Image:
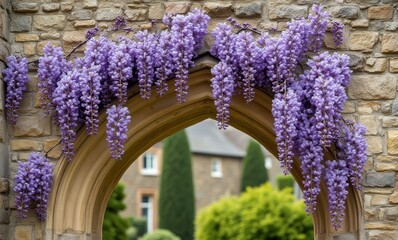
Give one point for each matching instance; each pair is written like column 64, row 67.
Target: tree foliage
column 176, row 200
column 285, row 181
column 259, row 213
column 254, row 171
column 160, row 234
column 115, row 226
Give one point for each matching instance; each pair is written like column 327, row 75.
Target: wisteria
column 337, row 31
column 120, row 71
column 33, row 185
column 145, row 59
column 90, row 87
column 336, row 179
column 67, row 103
column 308, row 87
column 118, row 118
column 51, row 67
column 16, row 77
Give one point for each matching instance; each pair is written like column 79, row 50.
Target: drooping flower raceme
column 51, row 66
column 164, row 62
column 336, row 179
column 317, row 27
column 145, row 61
column 118, row 118
column 90, row 87
column 16, row 77
column 33, row 185
column 199, row 21
column 285, row 110
column 337, row 31
column 67, row 102
column 120, row 71
column 223, row 86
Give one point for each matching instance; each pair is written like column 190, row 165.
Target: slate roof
column 206, row 138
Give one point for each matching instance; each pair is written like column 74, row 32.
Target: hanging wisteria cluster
column 33, row 185
column 308, row 87
column 309, row 95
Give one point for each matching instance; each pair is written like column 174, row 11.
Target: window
column 216, row 168
column 147, row 211
column 268, row 163
column 149, row 164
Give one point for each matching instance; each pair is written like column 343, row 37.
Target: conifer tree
column 254, row 171
column 176, row 198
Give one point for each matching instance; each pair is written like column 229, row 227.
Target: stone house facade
column 216, row 168
column 371, row 41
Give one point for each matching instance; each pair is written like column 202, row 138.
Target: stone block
column 394, row 65
column 288, row 12
column 4, row 185
column 26, row 37
column 85, row 23
column 51, row 7
column 389, row 122
column 108, row 14
column 368, row 107
column 25, row 7
column 380, row 179
column 363, row 41
column 177, row 7
column 80, row 15
column 356, row 61
column 72, row 38
column 32, row 126
column 24, row 144
column 90, row 4
column 218, row 10
column 376, row 65
column 53, row 148
column 248, row 9
column 389, row 43
column 394, row 198
column 66, row 7
column 49, row 22
column 345, row 236
column 372, row 87
column 23, row 232
column 50, row 35
column 136, row 14
column 382, row 235
column 384, row 12
column 374, row 144
column 379, row 200
column 392, row 214
column 370, row 122
column 156, row 11
column 349, row 12
column 360, row 23
column 392, row 141
column 381, row 225
column 21, row 23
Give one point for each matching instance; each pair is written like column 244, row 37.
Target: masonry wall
column 371, row 40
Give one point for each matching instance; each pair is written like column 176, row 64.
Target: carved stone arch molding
column 82, row 188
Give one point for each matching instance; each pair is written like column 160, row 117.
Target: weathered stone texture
column 288, row 12
column 376, row 65
column 23, row 232
column 380, row 12
column 72, row 38
column 349, row 12
column 394, row 65
column 392, row 141
column 369, row 87
column 363, row 41
column 4, row 185
column 136, row 14
column 25, row 7
column 32, row 126
column 21, row 23
column 380, row 180
column 49, row 22
column 389, row 43
column 107, row 14
column 177, row 7
column 248, row 9
column 26, row 37
column 220, row 10
column 156, row 11
column 51, row 7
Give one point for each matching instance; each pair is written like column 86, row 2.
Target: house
column 216, row 162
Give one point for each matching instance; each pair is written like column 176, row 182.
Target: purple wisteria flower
column 337, row 31
column 118, row 118
column 16, row 77
column 145, row 60
column 164, row 62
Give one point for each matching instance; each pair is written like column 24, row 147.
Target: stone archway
column 82, row 188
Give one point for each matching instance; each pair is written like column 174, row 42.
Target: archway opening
column 82, row 188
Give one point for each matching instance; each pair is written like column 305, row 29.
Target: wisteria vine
column 308, row 87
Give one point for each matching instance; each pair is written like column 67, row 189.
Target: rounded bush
column 160, row 234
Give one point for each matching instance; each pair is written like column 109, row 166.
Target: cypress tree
column 254, row 171
column 176, row 198
column 115, row 226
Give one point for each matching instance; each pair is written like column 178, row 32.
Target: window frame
column 153, row 171
column 216, row 173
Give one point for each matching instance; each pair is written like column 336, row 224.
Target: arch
column 82, row 188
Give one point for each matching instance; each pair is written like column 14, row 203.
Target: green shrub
column 259, row 213
column 160, row 234
column 254, row 172
column 137, row 229
column 285, row 181
column 176, row 197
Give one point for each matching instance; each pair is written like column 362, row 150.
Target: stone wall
column 371, row 40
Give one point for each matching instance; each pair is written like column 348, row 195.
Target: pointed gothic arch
column 82, row 188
